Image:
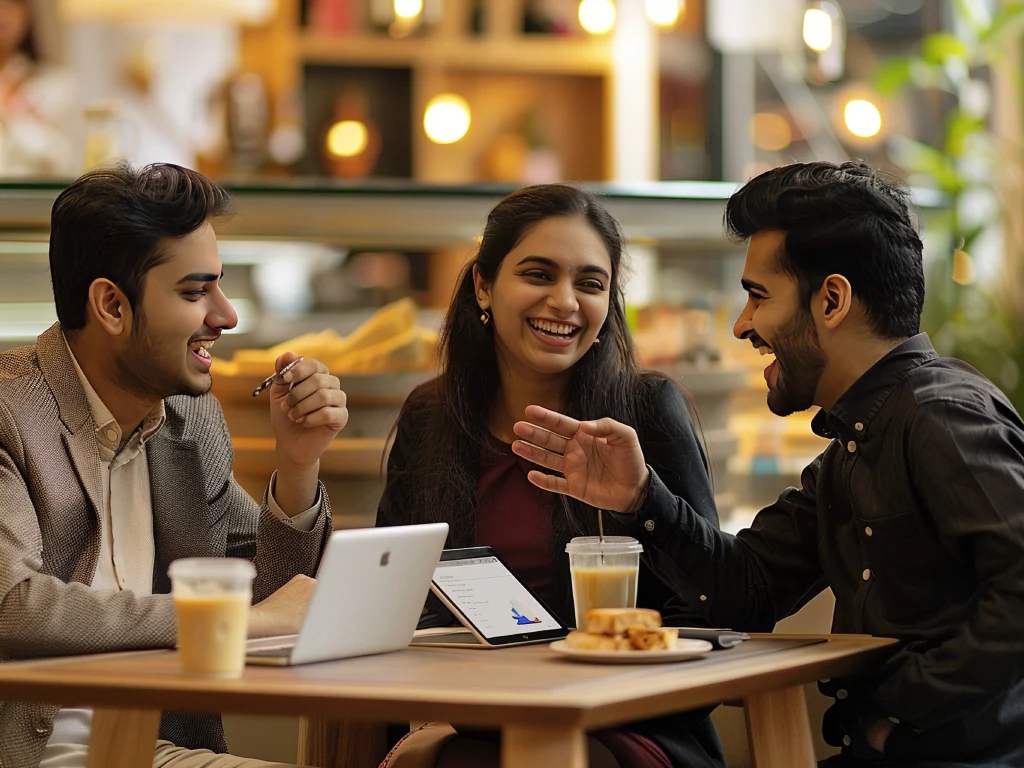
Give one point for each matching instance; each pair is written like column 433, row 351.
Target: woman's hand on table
column 600, row 462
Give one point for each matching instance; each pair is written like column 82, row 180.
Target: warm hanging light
column 597, row 16
column 863, row 119
column 347, row 138
column 241, row 11
column 446, row 119
column 817, row 29
column 408, row 9
column 664, row 13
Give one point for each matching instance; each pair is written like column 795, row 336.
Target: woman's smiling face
column 550, row 297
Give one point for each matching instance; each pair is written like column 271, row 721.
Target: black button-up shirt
column 914, row 516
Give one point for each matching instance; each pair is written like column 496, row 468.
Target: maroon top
column 514, row 518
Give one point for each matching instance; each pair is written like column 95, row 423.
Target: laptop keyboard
column 274, row 650
column 271, row 646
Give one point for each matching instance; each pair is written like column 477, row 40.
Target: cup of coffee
column 604, row 573
column 212, row 597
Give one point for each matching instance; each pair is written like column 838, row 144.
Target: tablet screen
column 493, row 600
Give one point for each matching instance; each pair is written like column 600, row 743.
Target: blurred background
column 365, row 141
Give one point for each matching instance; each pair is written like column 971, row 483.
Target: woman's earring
column 485, row 317
column 597, row 340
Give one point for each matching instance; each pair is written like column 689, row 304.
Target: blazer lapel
column 80, row 438
column 181, row 525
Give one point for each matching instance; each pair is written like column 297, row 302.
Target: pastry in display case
column 379, row 364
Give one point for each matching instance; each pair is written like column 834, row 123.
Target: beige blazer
column 50, row 496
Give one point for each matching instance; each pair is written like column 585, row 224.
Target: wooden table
column 542, row 702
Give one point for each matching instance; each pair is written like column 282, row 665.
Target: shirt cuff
column 656, row 522
column 304, row 521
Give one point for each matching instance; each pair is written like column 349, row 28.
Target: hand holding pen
column 267, row 382
column 307, row 408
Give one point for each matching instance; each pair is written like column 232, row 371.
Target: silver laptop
column 369, row 594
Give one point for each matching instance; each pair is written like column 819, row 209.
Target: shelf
column 360, row 457
column 555, row 56
column 397, row 213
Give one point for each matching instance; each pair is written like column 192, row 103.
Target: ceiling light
column 408, row 9
column 862, row 118
column 597, row 16
column 446, row 119
column 664, row 13
column 347, row 138
column 817, row 29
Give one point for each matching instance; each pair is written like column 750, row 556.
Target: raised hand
column 601, row 462
column 307, row 410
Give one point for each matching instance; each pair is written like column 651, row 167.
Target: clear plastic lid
column 211, row 568
column 612, row 545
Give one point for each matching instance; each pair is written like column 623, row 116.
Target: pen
column 270, row 380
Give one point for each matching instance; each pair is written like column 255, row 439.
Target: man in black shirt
column 913, row 514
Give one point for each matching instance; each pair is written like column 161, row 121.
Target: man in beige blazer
column 115, row 460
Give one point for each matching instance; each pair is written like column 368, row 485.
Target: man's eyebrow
column 201, row 277
column 750, row 285
column 554, row 265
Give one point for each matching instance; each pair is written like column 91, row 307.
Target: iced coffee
column 604, row 573
column 212, row 597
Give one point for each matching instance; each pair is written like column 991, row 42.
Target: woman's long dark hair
column 454, row 409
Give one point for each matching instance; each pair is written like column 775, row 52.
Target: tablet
column 490, row 601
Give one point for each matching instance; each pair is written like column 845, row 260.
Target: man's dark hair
column 110, row 223
column 840, row 219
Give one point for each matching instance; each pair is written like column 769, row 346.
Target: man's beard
column 139, row 369
column 800, row 362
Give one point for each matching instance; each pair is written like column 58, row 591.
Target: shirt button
column 851, row 446
column 703, row 598
column 868, row 531
column 859, row 426
column 825, row 680
column 649, row 525
column 111, row 435
column 866, row 575
column 846, row 741
column 894, row 720
column 841, row 693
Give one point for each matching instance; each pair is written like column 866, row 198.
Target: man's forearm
column 295, row 487
column 43, row 616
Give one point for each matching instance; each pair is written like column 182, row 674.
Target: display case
column 301, row 257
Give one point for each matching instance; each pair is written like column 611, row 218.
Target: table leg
column 346, row 744
column 779, row 730
column 535, row 746
column 123, row 738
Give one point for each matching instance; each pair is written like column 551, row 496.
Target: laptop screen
column 491, row 598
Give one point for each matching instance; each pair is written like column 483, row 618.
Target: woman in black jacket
column 538, row 318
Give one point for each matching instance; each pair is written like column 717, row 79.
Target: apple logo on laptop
column 384, row 559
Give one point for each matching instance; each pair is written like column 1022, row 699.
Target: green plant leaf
column 940, row 46
column 893, row 76
column 958, row 127
column 966, row 13
column 972, row 234
column 1008, row 22
column 921, row 158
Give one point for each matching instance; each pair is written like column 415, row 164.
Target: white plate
column 685, row 650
